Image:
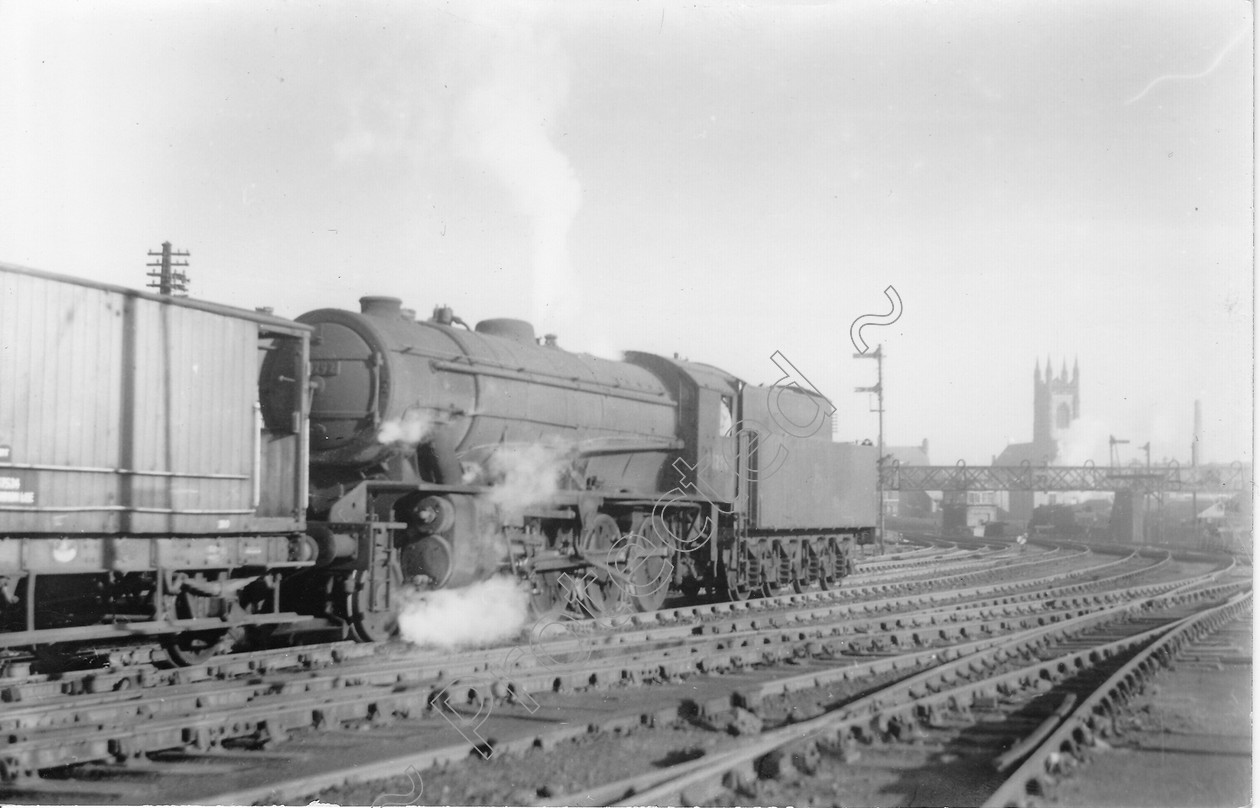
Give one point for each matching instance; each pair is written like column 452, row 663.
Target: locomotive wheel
column 741, row 580
column 831, row 571
column 778, row 570
column 650, row 565
column 799, row 565
column 367, row 625
column 824, row 565
column 603, row 594
column 548, row 597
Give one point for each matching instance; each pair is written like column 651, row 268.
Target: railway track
column 223, row 730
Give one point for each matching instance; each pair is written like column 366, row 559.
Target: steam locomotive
column 206, row 475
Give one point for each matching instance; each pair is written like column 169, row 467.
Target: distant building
column 1056, row 404
column 969, row 511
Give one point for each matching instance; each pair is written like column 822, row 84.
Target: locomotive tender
column 157, row 455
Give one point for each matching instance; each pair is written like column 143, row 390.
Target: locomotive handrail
column 627, row 446
column 554, row 380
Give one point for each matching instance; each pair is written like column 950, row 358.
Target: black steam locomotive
column 199, row 473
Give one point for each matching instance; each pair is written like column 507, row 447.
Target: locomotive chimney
column 380, row 306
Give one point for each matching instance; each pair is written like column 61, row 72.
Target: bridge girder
column 1212, row 479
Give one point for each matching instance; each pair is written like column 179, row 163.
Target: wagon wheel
column 778, row 566
column 837, row 564
column 741, row 579
column 194, row 647
column 806, row 568
column 803, row 568
column 825, row 560
column 603, row 587
column 651, row 570
column 56, row 656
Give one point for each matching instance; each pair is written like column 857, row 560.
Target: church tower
column 1056, row 404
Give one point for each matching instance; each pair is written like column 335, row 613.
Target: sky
column 724, row 181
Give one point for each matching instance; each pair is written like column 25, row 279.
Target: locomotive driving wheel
column 548, row 596
column 604, row 586
column 651, row 570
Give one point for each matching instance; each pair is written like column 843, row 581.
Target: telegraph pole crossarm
column 167, row 276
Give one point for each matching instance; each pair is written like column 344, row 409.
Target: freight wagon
column 143, row 490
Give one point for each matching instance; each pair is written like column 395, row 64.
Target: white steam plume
column 524, row 476
column 489, row 611
column 504, row 123
column 489, row 86
column 410, row 430
column 1086, row 439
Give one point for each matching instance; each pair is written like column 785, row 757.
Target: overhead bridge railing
column 1219, row 479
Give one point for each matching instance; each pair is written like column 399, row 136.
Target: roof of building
column 1016, row 454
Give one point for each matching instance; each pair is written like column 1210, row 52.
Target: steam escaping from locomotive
column 489, row 611
column 502, row 124
column 410, row 430
column 527, row 476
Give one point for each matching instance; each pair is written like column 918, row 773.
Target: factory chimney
column 1198, row 433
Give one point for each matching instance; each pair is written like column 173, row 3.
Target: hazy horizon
column 1071, row 179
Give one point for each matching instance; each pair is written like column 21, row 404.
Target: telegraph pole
column 878, row 390
column 1194, row 461
column 1146, row 499
column 168, row 277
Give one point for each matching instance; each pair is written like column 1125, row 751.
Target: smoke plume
column 489, row 611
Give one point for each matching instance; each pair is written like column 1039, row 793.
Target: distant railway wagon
column 200, row 473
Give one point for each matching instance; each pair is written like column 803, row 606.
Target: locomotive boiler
column 640, row 477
